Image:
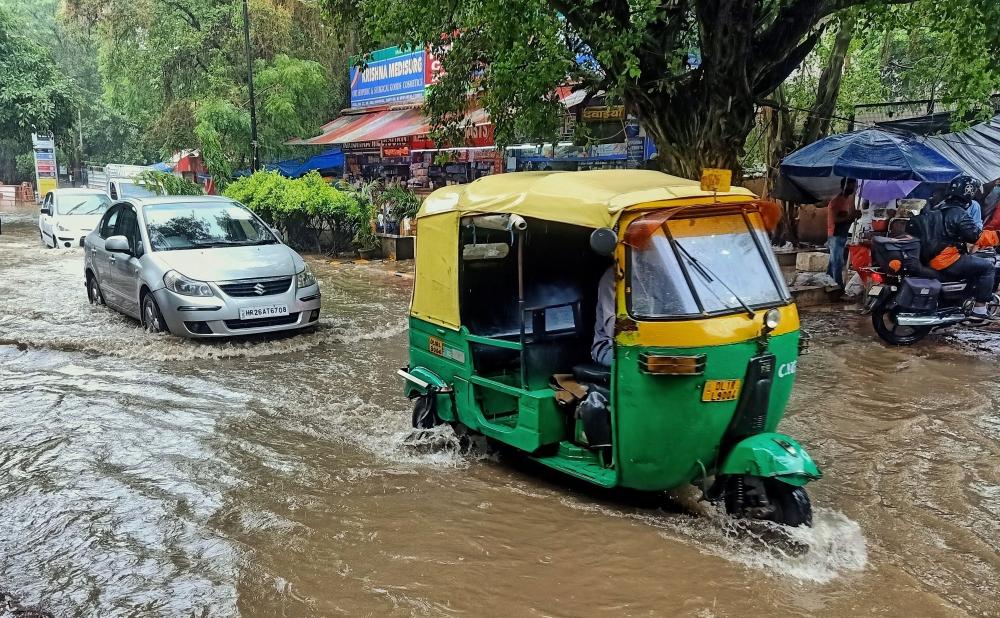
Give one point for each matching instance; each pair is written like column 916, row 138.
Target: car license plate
column 251, row 313
column 721, row 390
column 875, row 290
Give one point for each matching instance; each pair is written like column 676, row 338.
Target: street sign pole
column 254, row 146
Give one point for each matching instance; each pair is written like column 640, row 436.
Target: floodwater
column 152, row 476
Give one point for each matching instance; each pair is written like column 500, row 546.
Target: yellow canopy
column 590, row 199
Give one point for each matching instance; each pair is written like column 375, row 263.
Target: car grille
column 256, row 287
column 280, row 320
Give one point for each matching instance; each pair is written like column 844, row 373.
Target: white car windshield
column 132, row 189
column 82, row 204
column 200, row 225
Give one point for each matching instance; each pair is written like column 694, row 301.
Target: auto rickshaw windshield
column 703, row 265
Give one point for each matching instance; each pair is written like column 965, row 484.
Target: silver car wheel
column 151, row 317
column 94, row 294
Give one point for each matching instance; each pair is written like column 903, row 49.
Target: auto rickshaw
column 705, row 343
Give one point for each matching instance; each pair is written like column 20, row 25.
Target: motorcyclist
column 959, row 230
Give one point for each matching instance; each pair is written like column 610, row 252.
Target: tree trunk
column 695, row 130
column 828, row 89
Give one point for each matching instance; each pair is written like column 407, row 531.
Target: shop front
column 386, row 136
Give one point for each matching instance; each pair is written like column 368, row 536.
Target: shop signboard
column 392, row 76
column 432, row 69
column 635, row 152
column 374, row 145
column 478, row 136
column 608, row 150
column 603, row 113
column 568, row 127
column 44, row 148
column 391, row 151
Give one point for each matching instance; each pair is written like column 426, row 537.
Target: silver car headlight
column 177, row 282
column 304, row 278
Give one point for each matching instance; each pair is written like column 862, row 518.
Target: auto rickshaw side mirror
column 603, row 241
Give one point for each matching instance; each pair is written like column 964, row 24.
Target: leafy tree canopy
column 34, row 95
column 177, row 69
column 692, row 71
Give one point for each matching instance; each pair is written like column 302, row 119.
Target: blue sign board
column 395, row 77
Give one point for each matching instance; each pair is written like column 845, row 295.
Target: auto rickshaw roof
column 592, row 199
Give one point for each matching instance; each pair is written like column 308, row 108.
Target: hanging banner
column 392, row 76
column 46, row 178
column 635, row 145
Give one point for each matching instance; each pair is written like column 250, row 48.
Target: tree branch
column 829, row 7
column 190, row 17
column 771, row 78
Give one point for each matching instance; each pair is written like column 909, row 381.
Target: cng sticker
column 788, row 369
column 435, row 345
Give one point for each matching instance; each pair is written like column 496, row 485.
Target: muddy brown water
column 153, row 476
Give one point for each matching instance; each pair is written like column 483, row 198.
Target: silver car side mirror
column 117, row 244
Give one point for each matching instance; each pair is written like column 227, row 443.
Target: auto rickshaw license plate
column 721, row 390
column 436, row 346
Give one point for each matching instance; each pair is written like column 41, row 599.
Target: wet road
column 152, row 476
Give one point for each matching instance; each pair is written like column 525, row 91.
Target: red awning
column 375, row 126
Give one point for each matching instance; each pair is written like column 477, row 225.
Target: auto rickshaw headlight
column 771, row 319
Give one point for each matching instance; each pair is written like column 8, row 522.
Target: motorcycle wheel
column 890, row 331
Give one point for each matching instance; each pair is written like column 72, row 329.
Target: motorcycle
column 907, row 299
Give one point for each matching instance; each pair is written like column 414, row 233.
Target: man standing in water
column 839, row 215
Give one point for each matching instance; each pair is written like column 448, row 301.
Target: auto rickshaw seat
column 593, row 373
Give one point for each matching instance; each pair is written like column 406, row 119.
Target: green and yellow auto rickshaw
column 705, row 334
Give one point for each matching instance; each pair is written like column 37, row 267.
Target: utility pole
column 254, row 146
column 79, row 160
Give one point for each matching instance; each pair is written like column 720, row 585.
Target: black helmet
column 964, row 188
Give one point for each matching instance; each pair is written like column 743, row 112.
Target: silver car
column 198, row 266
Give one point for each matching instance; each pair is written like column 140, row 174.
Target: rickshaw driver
column 601, row 351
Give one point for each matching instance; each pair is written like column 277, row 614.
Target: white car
column 68, row 215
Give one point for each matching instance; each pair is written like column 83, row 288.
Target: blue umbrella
column 871, row 154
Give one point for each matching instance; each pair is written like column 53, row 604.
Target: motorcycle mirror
column 603, row 241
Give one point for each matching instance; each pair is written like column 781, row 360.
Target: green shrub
column 306, row 210
column 402, row 202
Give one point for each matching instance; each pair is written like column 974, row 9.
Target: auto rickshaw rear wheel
column 767, row 499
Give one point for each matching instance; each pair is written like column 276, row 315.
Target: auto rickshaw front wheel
column 767, row 499
column 425, row 412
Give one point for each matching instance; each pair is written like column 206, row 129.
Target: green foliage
column 177, row 69
column 294, row 99
column 306, row 209
column 163, row 183
column 223, row 131
column 34, row 95
column 401, row 202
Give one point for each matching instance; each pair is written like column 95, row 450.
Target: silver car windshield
column 197, row 225
column 82, row 204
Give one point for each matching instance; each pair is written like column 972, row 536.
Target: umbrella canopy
column 880, row 191
column 871, row 154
